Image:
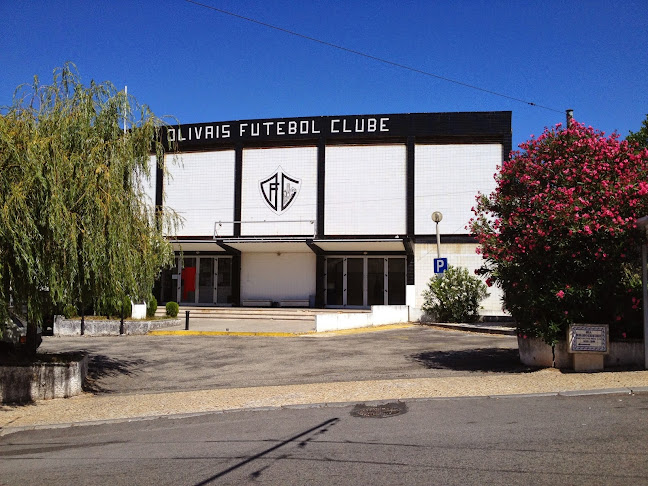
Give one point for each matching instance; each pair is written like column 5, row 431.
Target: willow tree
column 76, row 224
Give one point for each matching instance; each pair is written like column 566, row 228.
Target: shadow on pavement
column 495, row 360
column 100, row 366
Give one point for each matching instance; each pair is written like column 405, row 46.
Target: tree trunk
column 33, row 340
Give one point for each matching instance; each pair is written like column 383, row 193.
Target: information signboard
column 588, row 338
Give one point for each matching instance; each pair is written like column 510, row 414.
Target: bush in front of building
column 151, row 306
column 116, row 309
column 454, row 296
column 559, row 233
column 172, row 309
column 69, row 311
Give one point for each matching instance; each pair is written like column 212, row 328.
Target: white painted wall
column 380, row 315
column 297, row 162
column 365, row 190
column 277, row 276
column 458, row 255
column 447, row 179
column 200, row 187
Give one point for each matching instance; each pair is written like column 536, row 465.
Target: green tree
column 559, row 233
column 76, row 227
column 641, row 136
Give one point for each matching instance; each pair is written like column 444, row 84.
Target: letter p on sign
column 440, row 265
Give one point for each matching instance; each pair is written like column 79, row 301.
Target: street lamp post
column 643, row 224
column 437, row 217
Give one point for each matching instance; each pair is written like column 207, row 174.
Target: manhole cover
column 379, row 411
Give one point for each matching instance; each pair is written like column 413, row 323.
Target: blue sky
column 200, row 65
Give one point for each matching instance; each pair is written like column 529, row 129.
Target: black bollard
column 186, row 320
column 121, row 322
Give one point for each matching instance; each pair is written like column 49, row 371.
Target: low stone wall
column 104, row 327
column 379, row 315
column 59, row 376
column 535, row 352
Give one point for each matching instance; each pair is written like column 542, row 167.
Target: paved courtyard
column 134, row 364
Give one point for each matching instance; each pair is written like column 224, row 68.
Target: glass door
column 365, row 281
column 206, row 280
column 168, row 283
column 375, row 281
column 355, row 282
column 335, row 281
column 188, row 281
column 396, row 281
column 223, row 279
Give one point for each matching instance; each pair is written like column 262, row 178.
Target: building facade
column 324, row 211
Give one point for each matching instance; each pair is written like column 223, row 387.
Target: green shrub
column 172, row 309
column 69, row 311
column 115, row 308
column 454, row 296
column 151, row 307
column 127, row 307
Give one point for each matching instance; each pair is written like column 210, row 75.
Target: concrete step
column 254, row 313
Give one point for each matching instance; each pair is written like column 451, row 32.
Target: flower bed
column 106, row 327
column 49, row 376
column 535, row 352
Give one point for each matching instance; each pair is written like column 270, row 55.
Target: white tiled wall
column 458, row 255
column 365, row 190
column 299, row 218
column 447, row 179
column 278, row 276
column 200, row 187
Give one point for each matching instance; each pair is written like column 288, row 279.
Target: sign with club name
column 205, row 136
column 588, row 338
column 282, row 129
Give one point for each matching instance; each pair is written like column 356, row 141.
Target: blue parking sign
column 440, row 265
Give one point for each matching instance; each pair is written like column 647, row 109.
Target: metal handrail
column 221, row 223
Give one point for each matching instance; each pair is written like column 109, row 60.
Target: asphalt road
column 587, row 440
column 149, row 364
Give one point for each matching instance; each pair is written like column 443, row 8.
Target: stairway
column 255, row 313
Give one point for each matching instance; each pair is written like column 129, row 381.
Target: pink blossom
column 560, row 294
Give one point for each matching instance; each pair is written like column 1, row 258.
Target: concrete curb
column 486, row 329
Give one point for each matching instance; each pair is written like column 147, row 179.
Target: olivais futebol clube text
column 277, row 128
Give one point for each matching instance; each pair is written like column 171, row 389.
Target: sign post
column 437, row 216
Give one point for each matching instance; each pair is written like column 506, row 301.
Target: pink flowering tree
column 558, row 234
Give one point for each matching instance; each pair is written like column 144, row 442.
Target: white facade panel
column 200, row 188
column 447, row 179
column 278, row 276
column 365, row 190
column 458, row 255
column 279, row 191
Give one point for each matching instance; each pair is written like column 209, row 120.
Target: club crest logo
column 279, row 190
